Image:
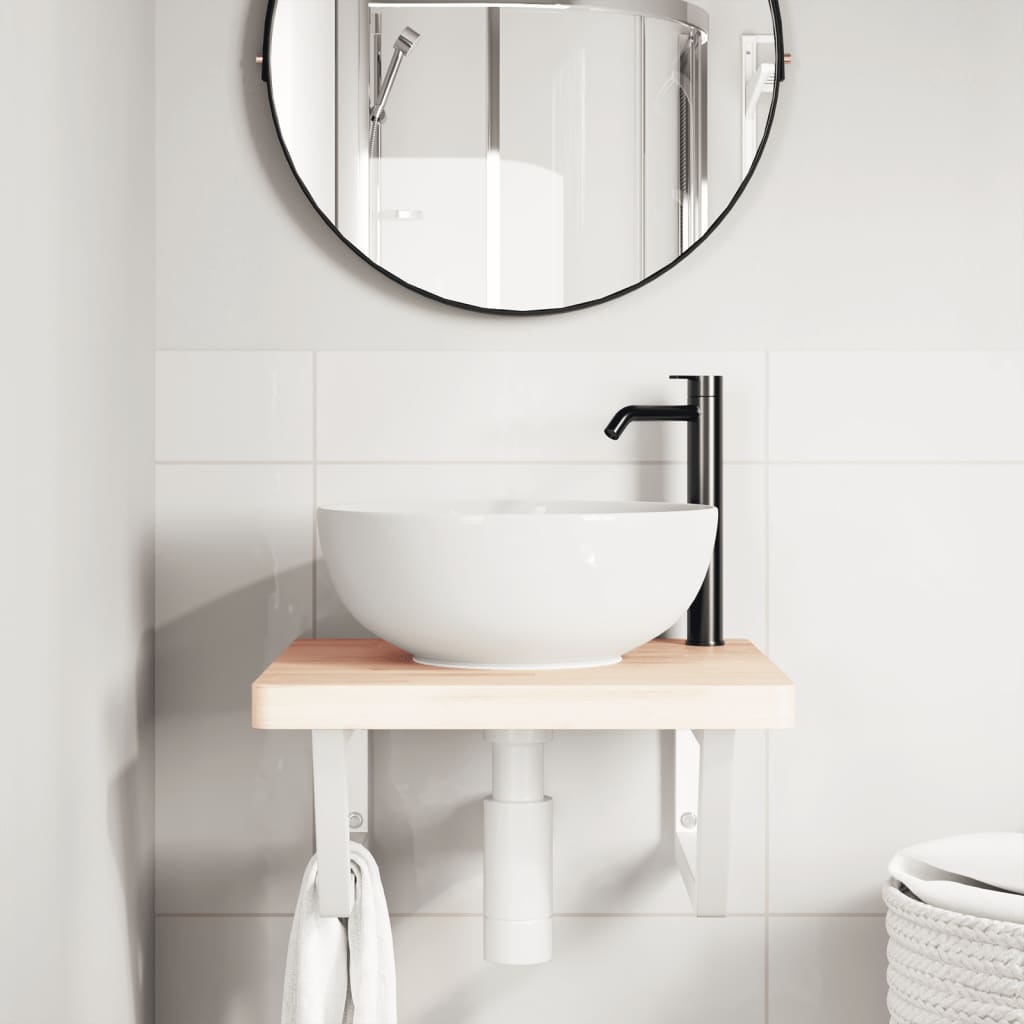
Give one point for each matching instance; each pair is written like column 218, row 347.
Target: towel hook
column 340, row 809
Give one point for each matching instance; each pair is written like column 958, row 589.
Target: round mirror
column 523, row 157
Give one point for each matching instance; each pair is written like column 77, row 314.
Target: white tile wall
column 427, row 822
column 877, row 555
column 606, row 970
column 896, row 406
column 827, row 969
column 895, row 605
column 234, row 406
column 614, row 835
column 521, row 407
column 645, row 970
column 234, row 586
column 220, row 970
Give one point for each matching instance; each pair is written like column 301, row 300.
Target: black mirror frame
column 780, row 77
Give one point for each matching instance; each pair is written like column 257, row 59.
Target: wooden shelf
column 369, row 684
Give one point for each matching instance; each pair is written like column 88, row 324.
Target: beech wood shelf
column 369, row 684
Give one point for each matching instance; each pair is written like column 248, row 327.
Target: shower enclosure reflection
column 517, row 157
column 528, row 170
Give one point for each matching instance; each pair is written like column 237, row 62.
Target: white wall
column 872, row 537
column 76, row 321
column 859, row 166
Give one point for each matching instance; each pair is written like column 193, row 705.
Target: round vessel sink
column 518, row 585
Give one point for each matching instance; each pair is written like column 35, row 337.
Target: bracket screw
column 688, row 820
column 355, row 820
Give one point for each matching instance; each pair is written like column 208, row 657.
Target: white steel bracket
column 703, row 814
column 758, row 81
column 341, row 810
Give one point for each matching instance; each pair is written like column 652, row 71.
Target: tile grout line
column 653, row 915
column 471, row 349
column 767, row 644
column 836, row 463
column 316, row 482
column 440, row 462
column 316, row 496
column 882, row 462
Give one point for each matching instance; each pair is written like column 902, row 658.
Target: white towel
column 341, row 971
column 981, row 875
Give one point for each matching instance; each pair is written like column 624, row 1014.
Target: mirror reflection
column 523, row 157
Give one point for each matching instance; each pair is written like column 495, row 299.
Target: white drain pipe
column 517, row 850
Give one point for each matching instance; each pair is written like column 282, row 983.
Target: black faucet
column 703, row 412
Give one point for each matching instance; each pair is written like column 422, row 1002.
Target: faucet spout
column 656, row 413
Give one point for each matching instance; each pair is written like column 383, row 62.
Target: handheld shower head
column 403, row 44
column 406, row 39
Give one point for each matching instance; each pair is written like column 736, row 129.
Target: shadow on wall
column 130, row 815
column 234, row 805
column 130, row 799
column 427, row 819
column 234, row 824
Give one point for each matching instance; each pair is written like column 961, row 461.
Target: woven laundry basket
column 949, row 968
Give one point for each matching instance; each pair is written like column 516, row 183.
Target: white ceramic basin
column 516, row 585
